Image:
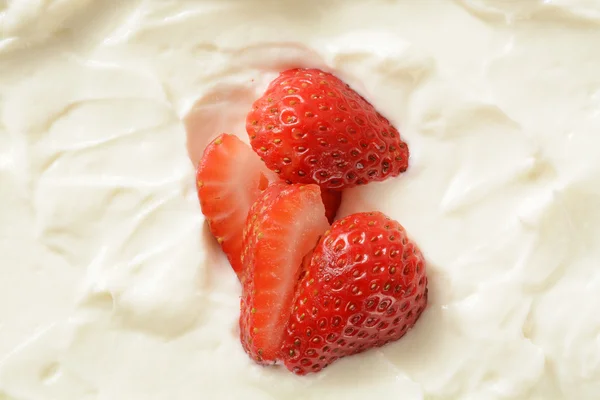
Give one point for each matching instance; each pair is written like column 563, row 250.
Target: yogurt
column 111, row 287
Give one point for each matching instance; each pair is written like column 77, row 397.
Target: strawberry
column 332, row 200
column 365, row 286
column 283, row 226
column 229, row 178
column 310, row 127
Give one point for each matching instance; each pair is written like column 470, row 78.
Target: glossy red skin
column 311, row 127
column 271, row 222
column 366, row 286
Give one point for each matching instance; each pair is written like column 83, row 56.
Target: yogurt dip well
column 111, row 286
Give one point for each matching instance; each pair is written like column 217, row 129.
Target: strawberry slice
column 283, row 226
column 229, row 178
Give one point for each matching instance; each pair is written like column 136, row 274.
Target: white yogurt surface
column 111, row 287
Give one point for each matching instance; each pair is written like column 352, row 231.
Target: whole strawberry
column 310, row 127
column 366, row 286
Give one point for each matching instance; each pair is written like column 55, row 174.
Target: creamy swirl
column 112, row 287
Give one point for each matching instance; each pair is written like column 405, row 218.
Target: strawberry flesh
column 229, row 178
column 283, row 226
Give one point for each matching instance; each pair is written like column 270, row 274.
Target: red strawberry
column 332, row 200
column 365, row 286
column 282, row 227
column 310, row 127
column 229, row 178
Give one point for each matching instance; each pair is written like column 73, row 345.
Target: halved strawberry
column 311, row 127
column 365, row 286
column 282, row 227
column 229, row 178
